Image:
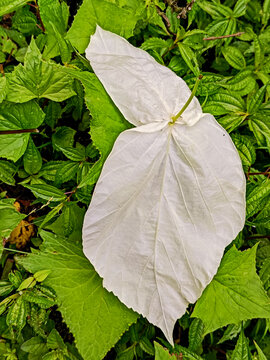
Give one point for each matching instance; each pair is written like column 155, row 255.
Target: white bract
column 170, row 197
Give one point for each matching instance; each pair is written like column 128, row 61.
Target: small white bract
column 170, row 197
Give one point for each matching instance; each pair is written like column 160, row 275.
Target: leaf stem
column 6, row 132
column 17, row 251
column 174, row 118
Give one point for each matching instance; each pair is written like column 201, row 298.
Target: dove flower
column 171, row 194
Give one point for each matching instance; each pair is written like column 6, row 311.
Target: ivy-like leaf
column 121, row 21
column 38, row 79
column 103, row 319
column 232, row 297
column 17, row 117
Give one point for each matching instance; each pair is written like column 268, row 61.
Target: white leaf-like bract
column 170, row 197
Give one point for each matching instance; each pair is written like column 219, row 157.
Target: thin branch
column 7, row 132
column 185, row 10
column 224, row 36
column 161, row 13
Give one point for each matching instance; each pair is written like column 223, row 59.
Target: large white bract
column 170, row 197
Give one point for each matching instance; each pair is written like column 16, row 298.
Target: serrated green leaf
column 38, row 79
column 266, row 12
column 7, row 6
column 195, row 334
column 63, row 137
column 241, row 351
column 234, row 57
column 265, row 272
column 74, row 154
column 223, row 103
column 235, row 293
column 7, row 171
column 255, row 101
column 32, row 159
column 66, row 172
column 10, row 218
column 154, row 43
column 259, row 124
column 121, row 21
column 24, row 21
column 54, row 15
column 53, row 112
column 189, row 57
column 107, row 121
column 231, row 332
column 17, row 313
column 257, row 198
column 245, row 148
column 69, row 223
column 15, row 117
column 260, row 352
column 162, row 354
column 215, row 10
column 35, row 345
column 103, row 319
column 55, row 341
column 47, row 192
column 242, row 83
column 240, row 8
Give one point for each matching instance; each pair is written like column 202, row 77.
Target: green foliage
column 103, row 319
column 47, row 175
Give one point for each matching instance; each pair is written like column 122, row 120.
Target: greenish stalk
column 17, row 251
column 174, row 118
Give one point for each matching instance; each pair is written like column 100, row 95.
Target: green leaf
column 24, row 21
column 231, row 332
column 265, row 272
column 259, row 124
column 10, row 218
column 215, row 10
column 103, row 319
column 54, row 15
column 242, row 83
column 74, row 154
column 190, row 58
column 195, row 334
column 15, row 117
column 32, row 159
column 154, row 43
column 235, row 293
column 8, row 6
column 69, row 223
column 35, row 345
column 255, row 101
column 162, row 354
column 55, row 341
column 47, row 192
column 240, row 8
column 63, row 137
column 234, row 57
column 7, row 171
column 223, row 103
column 241, row 351
column 260, row 352
column 120, row 21
column 266, row 12
column 53, row 112
column 231, row 121
column 245, row 148
column 66, row 172
column 17, row 313
column 38, row 79
column 257, row 198
column 107, row 121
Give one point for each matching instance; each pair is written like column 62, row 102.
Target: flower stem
column 174, row 118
